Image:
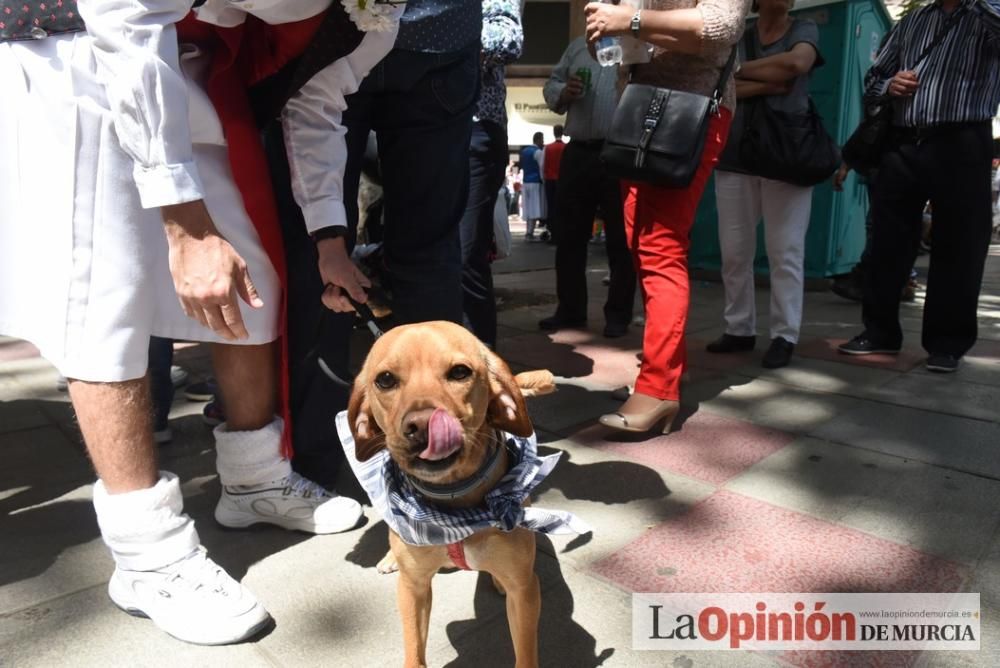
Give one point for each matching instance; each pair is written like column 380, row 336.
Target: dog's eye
column 385, row 381
column 459, row 372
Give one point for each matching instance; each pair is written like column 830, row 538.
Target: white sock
column 250, row 457
column 146, row 529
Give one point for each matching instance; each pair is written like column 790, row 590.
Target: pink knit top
column 723, row 26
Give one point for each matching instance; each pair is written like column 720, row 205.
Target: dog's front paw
column 388, row 564
column 535, row 383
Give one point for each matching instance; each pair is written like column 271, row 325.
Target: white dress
column 85, row 163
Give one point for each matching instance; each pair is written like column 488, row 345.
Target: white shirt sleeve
column 540, row 158
column 135, row 44
column 315, row 133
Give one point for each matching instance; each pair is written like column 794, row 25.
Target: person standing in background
column 550, row 175
column 533, row 207
column 587, row 94
column 940, row 149
column 502, row 38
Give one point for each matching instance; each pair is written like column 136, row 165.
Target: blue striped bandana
column 419, row 523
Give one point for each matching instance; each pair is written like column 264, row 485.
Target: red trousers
column 658, row 225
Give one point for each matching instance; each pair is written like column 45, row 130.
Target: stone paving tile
column 946, row 513
column 826, row 349
column 766, row 403
column 584, row 623
column 77, row 630
column 731, row 542
column 709, row 448
column 963, row 444
column 620, row 500
column 823, row 376
column 944, row 393
column 576, row 354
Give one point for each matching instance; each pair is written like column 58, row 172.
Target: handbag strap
column 939, row 37
column 720, row 87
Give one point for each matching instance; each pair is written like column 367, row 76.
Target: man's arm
column 314, row 133
column 746, row 89
column 503, row 37
column 555, row 88
column 781, row 67
column 989, row 13
column 884, row 68
column 135, row 43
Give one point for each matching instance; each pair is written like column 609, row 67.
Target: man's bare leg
column 249, row 458
column 248, row 381
column 116, row 422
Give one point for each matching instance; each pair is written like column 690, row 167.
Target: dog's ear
column 536, row 383
column 506, row 410
column 368, row 436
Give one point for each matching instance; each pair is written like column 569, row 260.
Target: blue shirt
column 439, row 26
column 529, row 166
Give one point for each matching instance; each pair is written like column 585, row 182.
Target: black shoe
column 615, row 330
column 942, row 363
column 862, row 345
column 848, row 287
column 557, row 322
column 779, row 354
column 728, row 343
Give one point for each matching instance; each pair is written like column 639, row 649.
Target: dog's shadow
column 485, row 640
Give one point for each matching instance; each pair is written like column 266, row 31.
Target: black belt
column 918, row 135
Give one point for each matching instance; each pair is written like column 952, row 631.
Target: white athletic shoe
column 193, row 600
column 293, row 503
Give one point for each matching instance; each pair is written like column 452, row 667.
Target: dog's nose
column 415, row 425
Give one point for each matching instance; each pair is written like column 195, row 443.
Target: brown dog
column 435, row 397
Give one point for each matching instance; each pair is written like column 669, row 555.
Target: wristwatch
column 636, row 23
column 331, row 232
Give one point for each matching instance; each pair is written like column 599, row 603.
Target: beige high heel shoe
column 666, row 410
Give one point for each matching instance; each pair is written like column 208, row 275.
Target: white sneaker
column 193, row 600
column 178, row 376
column 293, row 503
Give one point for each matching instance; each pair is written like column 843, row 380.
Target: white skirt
column 533, row 201
column 83, row 267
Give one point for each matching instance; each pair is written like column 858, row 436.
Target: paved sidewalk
column 834, row 474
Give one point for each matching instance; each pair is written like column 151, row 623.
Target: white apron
column 83, row 267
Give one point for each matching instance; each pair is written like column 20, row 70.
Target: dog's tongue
column 444, row 436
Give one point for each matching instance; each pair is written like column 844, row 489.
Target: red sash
column 241, row 56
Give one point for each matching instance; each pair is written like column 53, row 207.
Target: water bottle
column 609, row 51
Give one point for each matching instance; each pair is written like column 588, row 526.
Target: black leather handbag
column 790, row 147
column 864, row 148
column 657, row 135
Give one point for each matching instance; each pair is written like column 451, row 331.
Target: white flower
column 372, row 16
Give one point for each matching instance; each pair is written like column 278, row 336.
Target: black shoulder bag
column 863, row 150
column 657, row 135
column 790, row 147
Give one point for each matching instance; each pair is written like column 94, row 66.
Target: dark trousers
column 551, row 188
column 584, row 184
column 951, row 168
column 421, row 107
column 161, row 387
column 487, row 160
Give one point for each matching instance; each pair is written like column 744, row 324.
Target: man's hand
column 208, row 273
column 607, row 20
column 840, row 176
column 573, row 90
column 339, row 274
column 904, row 84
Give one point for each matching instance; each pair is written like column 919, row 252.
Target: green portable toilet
column 850, row 32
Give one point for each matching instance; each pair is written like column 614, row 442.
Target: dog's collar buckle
column 456, row 490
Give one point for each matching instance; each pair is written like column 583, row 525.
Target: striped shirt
column 419, row 523
column 959, row 79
